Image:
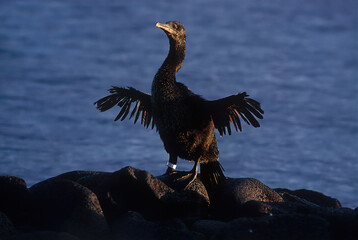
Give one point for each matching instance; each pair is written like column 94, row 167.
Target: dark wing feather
column 124, row 97
column 233, row 108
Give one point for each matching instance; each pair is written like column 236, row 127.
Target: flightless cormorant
column 184, row 120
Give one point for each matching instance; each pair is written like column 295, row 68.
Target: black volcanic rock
column 133, row 204
column 95, row 181
column 15, row 199
column 312, row 196
column 132, row 225
column 131, row 189
column 293, row 227
column 230, row 196
column 192, row 203
column 6, row 226
column 178, row 181
column 99, row 185
column 43, row 235
column 64, row 205
column 343, row 222
column 209, row 228
column 73, row 176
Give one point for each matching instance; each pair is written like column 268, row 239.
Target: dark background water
column 298, row 58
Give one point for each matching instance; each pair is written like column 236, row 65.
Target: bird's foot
column 184, row 175
column 192, row 179
column 182, row 178
column 188, row 176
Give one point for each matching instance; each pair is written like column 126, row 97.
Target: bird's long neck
column 164, row 84
column 175, row 58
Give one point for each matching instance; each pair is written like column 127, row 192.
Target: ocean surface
column 298, row 58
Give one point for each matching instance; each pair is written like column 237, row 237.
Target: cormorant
column 184, row 120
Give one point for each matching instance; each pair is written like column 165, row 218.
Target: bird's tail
column 211, row 174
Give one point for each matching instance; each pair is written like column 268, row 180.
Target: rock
column 343, row 222
column 138, row 205
column 289, row 226
column 230, row 196
column 64, row 205
column 312, row 196
column 131, row 189
column 178, row 181
column 209, row 228
column 174, row 223
column 188, row 205
column 258, row 209
column 100, row 185
column 43, row 235
column 16, row 200
column 95, row 181
column 193, row 203
column 289, row 198
column 73, row 176
column 6, row 226
column 132, row 225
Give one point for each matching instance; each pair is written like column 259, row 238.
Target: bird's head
column 174, row 30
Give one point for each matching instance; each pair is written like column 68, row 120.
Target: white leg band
column 171, row 165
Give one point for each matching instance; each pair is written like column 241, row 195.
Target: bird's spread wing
column 231, row 109
column 124, row 97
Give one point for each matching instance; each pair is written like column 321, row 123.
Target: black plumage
column 184, row 120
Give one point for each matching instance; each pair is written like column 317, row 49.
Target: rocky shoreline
column 133, row 204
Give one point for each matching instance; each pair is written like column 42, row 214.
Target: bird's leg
column 194, row 173
column 171, row 164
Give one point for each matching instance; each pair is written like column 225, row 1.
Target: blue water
column 300, row 60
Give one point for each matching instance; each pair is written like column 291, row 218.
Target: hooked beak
column 165, row 27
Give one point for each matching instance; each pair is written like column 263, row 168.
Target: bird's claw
column 191, row 176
